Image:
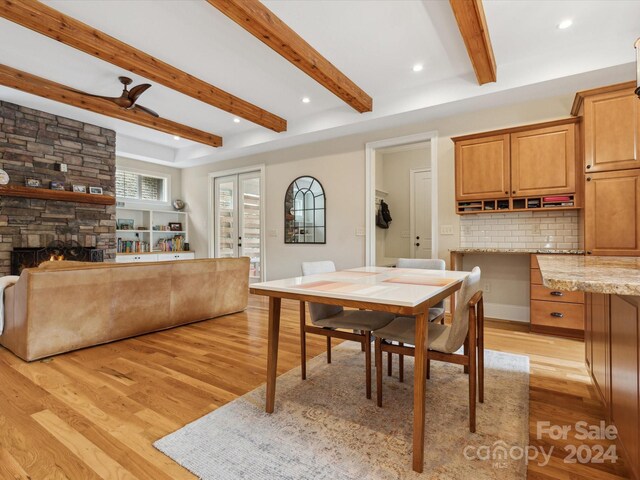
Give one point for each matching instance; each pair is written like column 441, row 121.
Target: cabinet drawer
column 164, row 257
column 540, row 292
column 557, row 314
column 536, row 276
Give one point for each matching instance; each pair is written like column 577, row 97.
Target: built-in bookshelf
column 140, row 231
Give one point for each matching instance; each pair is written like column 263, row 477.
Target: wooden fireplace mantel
column 58, row 195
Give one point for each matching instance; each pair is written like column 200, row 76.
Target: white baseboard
column 515, row 313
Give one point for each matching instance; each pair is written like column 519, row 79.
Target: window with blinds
column 136, row 186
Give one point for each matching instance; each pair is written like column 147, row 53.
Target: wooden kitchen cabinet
column 482, row 168
column 611, row 129
column 543, row 161
column 612, row 213
column 531, row 167
column 612, row 342
column 552, row 311
column 625, row 372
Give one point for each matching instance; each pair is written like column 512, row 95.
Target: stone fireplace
column 32, row 143
column 22, row 258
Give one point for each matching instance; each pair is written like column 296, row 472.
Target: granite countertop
column 560, row 251
column 610, row 275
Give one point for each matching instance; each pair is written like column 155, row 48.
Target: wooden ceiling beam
column 473, row 27
column 45, row 20
column 263, row 24
column 26, row 82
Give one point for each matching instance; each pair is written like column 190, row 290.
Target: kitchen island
column 612, row 335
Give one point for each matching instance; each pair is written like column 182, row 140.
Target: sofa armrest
column 15, row 333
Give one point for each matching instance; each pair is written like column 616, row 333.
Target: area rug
column 324, row 427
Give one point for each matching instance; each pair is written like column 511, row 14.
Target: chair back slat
column 460, row 325
column 320, row 311
column 424, row 263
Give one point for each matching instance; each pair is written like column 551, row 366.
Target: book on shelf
column 132, row 246
column 175, row 244
column 557, row 199
column 558, row 204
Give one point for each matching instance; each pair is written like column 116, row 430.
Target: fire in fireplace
column 22, row 258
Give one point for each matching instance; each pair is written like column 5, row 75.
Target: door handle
column 557, row 314
column 417, row 244
column 418, row 237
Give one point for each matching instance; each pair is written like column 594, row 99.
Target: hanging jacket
column 383, row 217
column 386, row 214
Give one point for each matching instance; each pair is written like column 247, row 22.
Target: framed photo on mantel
column 33, row 182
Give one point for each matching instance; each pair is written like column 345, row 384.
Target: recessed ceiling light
column 306, row 99
column 565, row 24
column 176, row 137
column 418, row 67
column 236, row 120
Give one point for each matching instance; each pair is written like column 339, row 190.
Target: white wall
column 339, row 164
column 344, row 200
column 395, row 173
column 174, row 175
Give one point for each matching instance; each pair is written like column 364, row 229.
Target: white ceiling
column 374, row 42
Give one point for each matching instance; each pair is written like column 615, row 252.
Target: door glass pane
column 250, row 222
column 226, row 227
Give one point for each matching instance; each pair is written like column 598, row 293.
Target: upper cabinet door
column 612, row 215
column 612, row 131
column 543, row 161
column 482, row 168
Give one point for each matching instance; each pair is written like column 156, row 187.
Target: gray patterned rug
column 324, row 428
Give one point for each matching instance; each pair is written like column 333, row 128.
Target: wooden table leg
column 272, row 351
column 419, row 389
column 303, row 342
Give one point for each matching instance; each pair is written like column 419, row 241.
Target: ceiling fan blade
column 136, row 91
column 140, row 108
column 111, row 99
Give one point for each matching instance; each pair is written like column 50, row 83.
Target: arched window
column 304, row 212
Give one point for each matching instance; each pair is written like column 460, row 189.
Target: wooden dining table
column 403, row 291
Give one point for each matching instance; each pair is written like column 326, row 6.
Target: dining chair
column 328, row 319
column 436, row 313
column 444, row 341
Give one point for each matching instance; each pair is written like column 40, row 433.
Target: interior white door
column 421, row 207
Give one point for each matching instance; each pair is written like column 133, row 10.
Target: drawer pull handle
column 557, row 314
column 557, row 294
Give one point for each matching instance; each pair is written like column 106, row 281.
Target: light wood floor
column 95, row 413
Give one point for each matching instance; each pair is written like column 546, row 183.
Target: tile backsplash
column 555, row 229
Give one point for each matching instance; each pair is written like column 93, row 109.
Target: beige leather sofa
column 65, row 306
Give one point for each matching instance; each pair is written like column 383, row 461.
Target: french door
column 237, row 213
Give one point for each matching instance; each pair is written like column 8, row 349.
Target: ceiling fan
column 128, row 98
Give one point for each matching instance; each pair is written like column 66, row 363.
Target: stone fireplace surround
column 31, row 144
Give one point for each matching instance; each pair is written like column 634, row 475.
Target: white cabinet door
column 165, row 257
